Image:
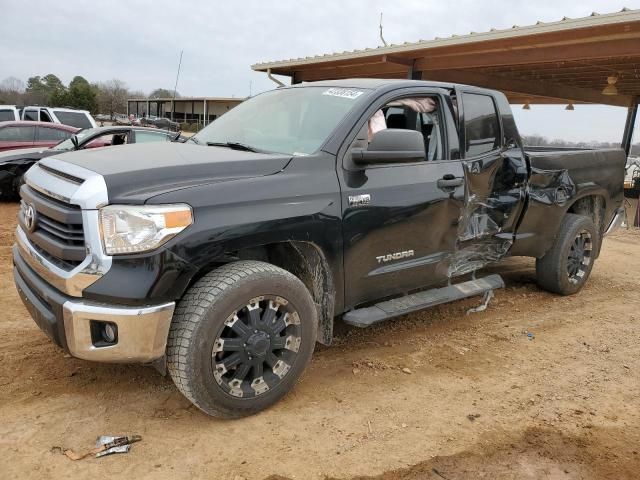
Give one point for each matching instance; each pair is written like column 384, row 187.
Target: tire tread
column 191, row 310
column 549, row 269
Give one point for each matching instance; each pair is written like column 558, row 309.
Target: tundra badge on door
column 395, row 256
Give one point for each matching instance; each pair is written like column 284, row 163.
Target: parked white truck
column 65, row 116
column 9, row 113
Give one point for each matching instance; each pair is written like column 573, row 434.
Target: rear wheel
column 565, row 268
column 241, row 337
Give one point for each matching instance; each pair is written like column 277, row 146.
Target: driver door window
column 421, row 114
column 107, row 140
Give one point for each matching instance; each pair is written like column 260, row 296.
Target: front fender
column 299, row 204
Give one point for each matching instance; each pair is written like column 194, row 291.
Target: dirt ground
column 482, row 399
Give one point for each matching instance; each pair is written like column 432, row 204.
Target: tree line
column 540, row 141
column 108, row 97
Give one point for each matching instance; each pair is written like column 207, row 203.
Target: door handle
column 448, row 183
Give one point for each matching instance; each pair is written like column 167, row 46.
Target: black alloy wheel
column 256, row 347
column 579, row 257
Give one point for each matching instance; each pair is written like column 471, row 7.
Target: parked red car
column 33, row 134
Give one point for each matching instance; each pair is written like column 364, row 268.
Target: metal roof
column 188, row 99
column 373, row 83
column 548, row 62
column 566, row 23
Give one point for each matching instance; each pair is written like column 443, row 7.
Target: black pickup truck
column 225, row 259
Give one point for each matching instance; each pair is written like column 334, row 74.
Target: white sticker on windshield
column 343, row 93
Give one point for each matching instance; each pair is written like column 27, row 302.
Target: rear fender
column 551, row 194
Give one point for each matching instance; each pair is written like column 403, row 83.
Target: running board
column 365, row 317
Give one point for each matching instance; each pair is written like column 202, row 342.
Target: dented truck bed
column 586, row 181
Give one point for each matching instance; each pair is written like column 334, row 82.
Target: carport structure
column 201, row 110
column 594, row 60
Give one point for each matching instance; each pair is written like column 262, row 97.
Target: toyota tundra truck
column 225, row 259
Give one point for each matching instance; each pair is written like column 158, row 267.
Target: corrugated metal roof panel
column 566, row 23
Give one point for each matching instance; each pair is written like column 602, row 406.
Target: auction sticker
column 343, row 93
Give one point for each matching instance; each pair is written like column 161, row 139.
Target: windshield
column 67, row 145
column 295, row 121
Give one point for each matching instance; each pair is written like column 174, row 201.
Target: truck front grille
column 53, row 227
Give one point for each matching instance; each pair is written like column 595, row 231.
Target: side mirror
column 392, row 146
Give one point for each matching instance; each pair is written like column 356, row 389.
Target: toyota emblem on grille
column 30, row 218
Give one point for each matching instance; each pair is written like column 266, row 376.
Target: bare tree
column 112, row 96
column 12, row 84
column 11, row 90
column 163, row 93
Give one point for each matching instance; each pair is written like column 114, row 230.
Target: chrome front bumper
column 142, row 332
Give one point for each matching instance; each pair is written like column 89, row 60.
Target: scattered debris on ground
column 105, row 445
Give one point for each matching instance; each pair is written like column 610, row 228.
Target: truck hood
column 135, row 173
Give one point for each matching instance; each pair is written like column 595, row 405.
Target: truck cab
column 66, row 116
column 9, row 113
column 224, row 260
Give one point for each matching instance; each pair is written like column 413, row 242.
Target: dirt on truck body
column 482, row 400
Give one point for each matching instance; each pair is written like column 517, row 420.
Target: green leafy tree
column 55, row 90
column 36, row 91
column 81, row 94
column 48, row 90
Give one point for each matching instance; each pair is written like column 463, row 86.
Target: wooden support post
column 632, row 115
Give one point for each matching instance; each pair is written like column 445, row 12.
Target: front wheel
column 565, row 268
column 240, row 338
column 18, row 181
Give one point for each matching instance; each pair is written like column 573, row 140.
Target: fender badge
column 359, row 200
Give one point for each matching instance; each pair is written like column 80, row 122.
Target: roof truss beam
column 528, row 55
column 537, row 88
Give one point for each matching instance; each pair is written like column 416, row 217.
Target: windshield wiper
column 233, row 145
column 193, row 139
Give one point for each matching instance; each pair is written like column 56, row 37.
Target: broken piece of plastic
column 105, row 445
column 488, row 295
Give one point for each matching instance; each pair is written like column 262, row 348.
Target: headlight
column 134, row 229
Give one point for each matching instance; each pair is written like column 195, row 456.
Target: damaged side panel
column 576, row 181
column 549, row 192
column 495, row 196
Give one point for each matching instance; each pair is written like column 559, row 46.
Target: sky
column 139, row 41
